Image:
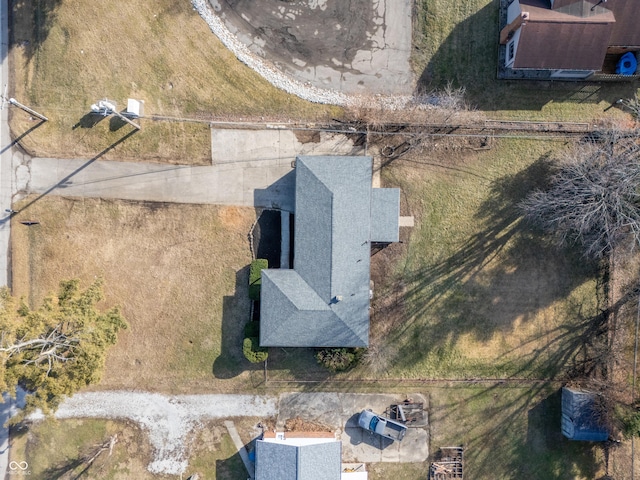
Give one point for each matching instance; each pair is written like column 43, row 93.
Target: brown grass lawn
column 66, row 55
column 61, row 450
column 177, row 271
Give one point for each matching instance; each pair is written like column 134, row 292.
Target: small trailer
column 409, row 413
column 384, row 427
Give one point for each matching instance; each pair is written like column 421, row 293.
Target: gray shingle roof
column 324, row 300
column 385, row 211
column 279, row 461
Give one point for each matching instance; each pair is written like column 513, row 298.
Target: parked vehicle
column 382, row 426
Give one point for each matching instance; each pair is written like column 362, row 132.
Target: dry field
column 177, row 271
column 67, row 55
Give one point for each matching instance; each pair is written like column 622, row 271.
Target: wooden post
column 13, row 101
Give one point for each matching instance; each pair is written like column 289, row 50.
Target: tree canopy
column 57, row 349
column 593, row 197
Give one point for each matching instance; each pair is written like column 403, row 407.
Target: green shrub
column 255, row 277
column 253, row 351
column 339, row 359
column 252, row 329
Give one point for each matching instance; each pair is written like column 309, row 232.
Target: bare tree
column 50, row 347
column 593, row 198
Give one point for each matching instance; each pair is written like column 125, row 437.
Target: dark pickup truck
column 381, row 425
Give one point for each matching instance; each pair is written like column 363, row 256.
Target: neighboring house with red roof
column 571, row 38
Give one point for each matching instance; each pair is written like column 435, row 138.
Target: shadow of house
column 279, row 195
column 469, row 57
column 471, row 290
column 230, row 468
column 267, row 237
column 236, row 311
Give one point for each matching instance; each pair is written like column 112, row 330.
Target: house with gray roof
column 294, row 457
column 324, row 300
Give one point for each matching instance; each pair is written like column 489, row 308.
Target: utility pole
column 30, row 111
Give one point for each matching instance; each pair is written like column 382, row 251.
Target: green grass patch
column 217, row 459
column 458, row 42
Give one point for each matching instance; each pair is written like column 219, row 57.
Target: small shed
column 581, row 418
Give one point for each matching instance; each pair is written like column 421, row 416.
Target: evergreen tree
column 57, row 349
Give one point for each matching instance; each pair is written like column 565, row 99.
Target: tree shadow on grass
column 30, row 22
column 499, row 278
column 515, row 432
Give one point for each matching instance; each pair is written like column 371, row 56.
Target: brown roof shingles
column 554, row 40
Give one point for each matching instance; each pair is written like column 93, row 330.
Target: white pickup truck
column 382, row 426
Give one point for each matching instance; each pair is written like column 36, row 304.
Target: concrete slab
column 340, row 411
column 276, row 146
column 237, row 441
column 324, row 408
column 415, row 446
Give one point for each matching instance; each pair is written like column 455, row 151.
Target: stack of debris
column 449, row 465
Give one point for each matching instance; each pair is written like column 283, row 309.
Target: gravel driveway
column 167, row 419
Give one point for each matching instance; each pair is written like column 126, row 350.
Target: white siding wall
column 515, row 39
column 513, row 11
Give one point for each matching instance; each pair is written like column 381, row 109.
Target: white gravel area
column 167, row 419
column 283, row 81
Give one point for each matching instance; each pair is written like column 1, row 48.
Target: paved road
column 355, row 47
column 5, row 202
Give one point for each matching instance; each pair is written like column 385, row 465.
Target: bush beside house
column 255, row 279
column 253, row 351
column 339, row 359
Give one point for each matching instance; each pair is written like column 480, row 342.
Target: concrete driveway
column 341, row 410
column 249, row 168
